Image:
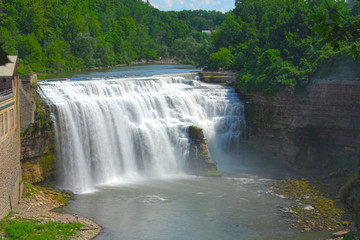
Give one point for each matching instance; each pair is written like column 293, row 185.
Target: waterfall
column 113, row 131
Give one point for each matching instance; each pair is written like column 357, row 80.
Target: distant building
column 208, row 32
column 10, row 170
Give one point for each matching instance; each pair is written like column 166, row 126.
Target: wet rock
column 308, row 207
column 199, row 162
column 38, row 159
column 341, row 233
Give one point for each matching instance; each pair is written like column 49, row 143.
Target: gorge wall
column 317, row 128
column 38, row 161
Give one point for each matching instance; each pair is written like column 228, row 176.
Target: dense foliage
column 52, row 35
column 272, row 43
column 338, row 29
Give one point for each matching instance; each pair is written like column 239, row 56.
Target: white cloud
column 169, row 3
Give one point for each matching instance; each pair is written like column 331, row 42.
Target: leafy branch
column 336, row 29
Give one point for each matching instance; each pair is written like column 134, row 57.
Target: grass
column 55, row 194
column 51, row 193
column 24, row 229
column 12, row 227
column 29, row 190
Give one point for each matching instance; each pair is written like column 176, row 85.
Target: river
column 122, row 144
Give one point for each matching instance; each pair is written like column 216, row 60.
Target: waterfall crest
column 122, row 130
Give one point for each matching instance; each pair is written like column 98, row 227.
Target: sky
column 178, row 5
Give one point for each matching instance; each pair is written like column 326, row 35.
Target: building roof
column 8, row 69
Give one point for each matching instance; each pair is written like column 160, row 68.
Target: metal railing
column 6, row 94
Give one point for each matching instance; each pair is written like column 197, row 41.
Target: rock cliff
column 38, row 160
column 316, row 129
column 199, row 162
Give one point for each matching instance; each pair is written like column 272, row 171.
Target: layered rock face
column 37, row 157
column 318, row 128
column 199, row 162
column 38, row 161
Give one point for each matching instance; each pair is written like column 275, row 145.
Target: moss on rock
column 310, row 209
column 38, row 146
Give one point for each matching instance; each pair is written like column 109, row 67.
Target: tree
column 188, row 50
column 56, row 52
column 84, row 47
column 3, row 57
column 271, row 43
column 30, row 51
column 221, row 59
column 69, row 34
column 337, row 28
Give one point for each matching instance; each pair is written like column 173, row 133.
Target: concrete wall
column 27, row 107
column 228, row 78
column 10, row 171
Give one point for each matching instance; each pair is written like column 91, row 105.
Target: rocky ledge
column 222, row 77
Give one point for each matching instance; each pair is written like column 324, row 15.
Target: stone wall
column 27, row 107
column 221, row 77
column 10, row 171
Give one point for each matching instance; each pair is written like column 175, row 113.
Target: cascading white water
column 123, row 130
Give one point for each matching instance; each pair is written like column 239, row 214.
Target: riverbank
column 38, row 206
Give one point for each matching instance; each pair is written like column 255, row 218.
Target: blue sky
column 177, row 5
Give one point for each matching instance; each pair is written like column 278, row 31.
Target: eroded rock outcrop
column 199, row 162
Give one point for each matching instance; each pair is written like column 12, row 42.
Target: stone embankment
column 220, row 77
